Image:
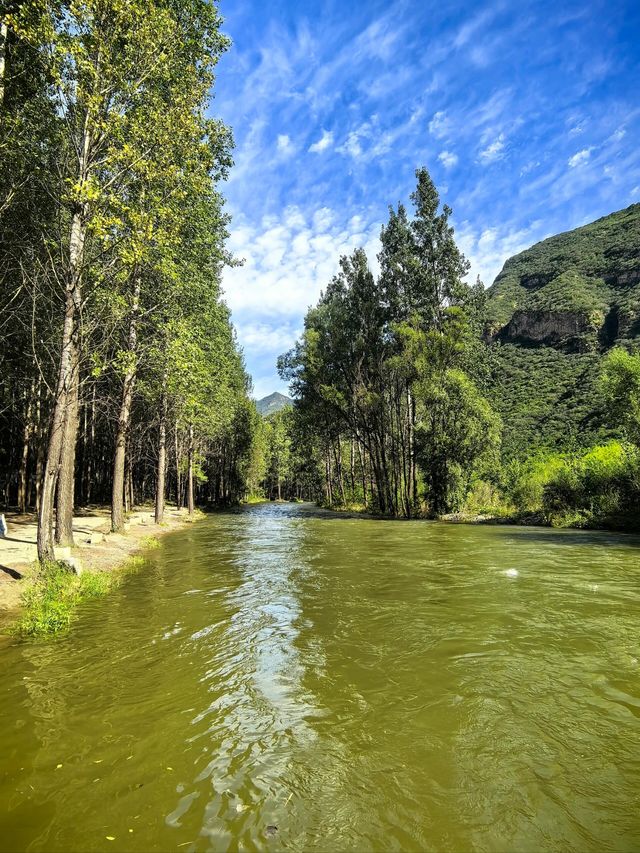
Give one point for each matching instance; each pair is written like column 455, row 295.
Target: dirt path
column 95, row 547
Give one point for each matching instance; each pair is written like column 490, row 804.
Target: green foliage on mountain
column 273, row 403
column 553, row 312
column 593, row 269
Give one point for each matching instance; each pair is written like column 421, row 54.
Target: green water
column 358, row 684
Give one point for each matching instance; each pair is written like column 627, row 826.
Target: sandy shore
column 95, row 547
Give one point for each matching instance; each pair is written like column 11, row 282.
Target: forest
column 121, row 380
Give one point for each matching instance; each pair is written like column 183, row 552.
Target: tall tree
column 366, row 371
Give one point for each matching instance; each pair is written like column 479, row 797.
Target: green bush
column 51, row 599
column 600, row 488
column 596, row 488
column 525, row 481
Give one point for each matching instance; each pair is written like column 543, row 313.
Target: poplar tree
column 379, row 371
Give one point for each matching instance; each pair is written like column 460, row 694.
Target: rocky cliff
column 554, row 309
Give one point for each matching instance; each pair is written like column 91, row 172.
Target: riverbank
column 504, row 517
column 97, row 551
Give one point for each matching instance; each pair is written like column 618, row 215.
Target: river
column 284, row 678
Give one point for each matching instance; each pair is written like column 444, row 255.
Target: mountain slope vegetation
column 553, row 312
column 273, row 403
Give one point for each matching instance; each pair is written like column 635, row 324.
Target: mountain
column 272, row 404
column 553, row 311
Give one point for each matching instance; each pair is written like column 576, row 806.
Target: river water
column 282, row 678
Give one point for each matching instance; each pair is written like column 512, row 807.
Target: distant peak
column 273, row 403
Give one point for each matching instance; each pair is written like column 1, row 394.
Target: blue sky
column 527, row 115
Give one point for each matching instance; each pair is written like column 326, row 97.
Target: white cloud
column 284, row 144
column 288, row 261
column 323, row 219
column 580, row 157
column 440, row 125
column 416, row 114
column 379, row 39
column 356, row 139
column 448, row 159
column 325, row 141
column 369, row 141
column 488, row 249
column 491, row 111
column 265, row 337
column 529, row 167
column 493, row 151
column 352, row 144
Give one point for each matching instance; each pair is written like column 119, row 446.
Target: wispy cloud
column 580, row 157
column 289, row 259
column 331, row 121
column 448, row 159
column 325, row 141
column 440, row 125
column 285, row 145
column 488, row 248
column 494, row 151
column 470, row 28
column 353, row 143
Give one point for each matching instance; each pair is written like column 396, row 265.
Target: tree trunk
column 352, row 470
column 66, row 475
column 178, row 477
column 3, row 54
column 162, row 455
column 66, row 388
column 412, row 447
column 90, row 449
column 67, row 375
column 129, row 501
column 124, row 419
column 190, row 495
column 40, row 448
column 363, row 472
column 24, row 459
column 337, row 453
column 329, row 475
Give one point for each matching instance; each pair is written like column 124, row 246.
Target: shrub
column 599, row 488
column 49, row 600
column 525, row 482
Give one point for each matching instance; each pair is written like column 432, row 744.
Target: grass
column 53, row 593
column 52, row 598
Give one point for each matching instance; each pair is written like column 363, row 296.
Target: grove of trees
column 120, row 376
column 390, row 372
